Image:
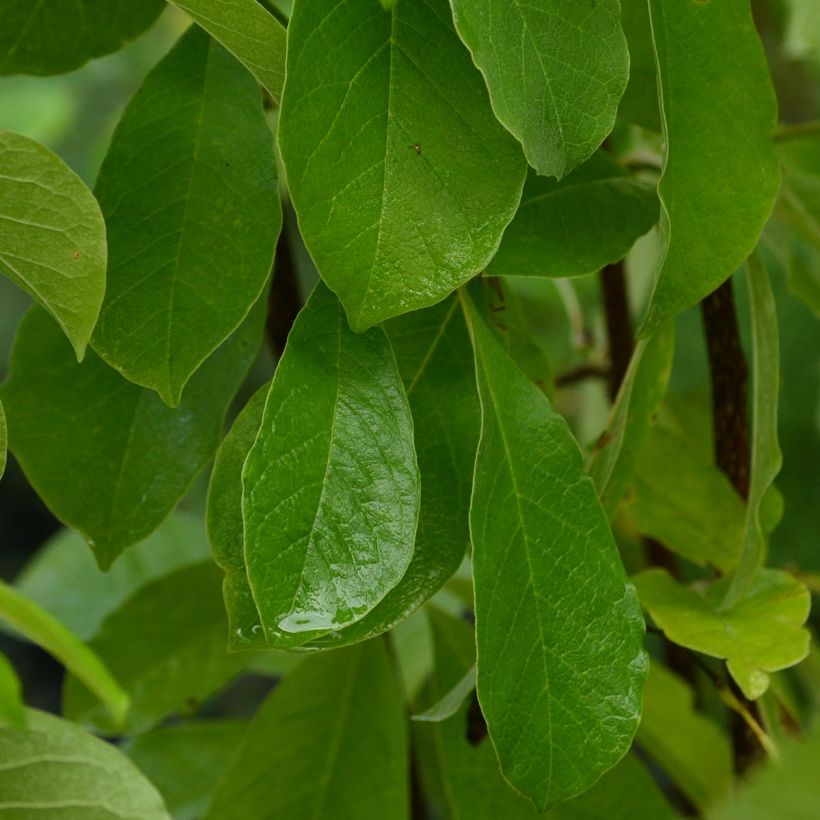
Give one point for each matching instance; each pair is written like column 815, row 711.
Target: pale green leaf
column 186, row 761
column 52, row 235
column 558, row 625
column 53, row 769
column 188, row 189
column 761, row 633
column 721, row 175
column 451, row 702
column 331, row 485
column 48, row 633
column 64, row 579
column 402, row 178
column 107, row 457
column 800, row 200
column 249, row 31
column 56, row 36
column 576, row 226
column 12, row 709
column 555, row 70
column 166, row 645
column 329, row 742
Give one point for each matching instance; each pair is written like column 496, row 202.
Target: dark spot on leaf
column 416, row 147
column 75, row 255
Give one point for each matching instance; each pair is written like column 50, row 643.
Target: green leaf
column 144, row 455
column 555, row 71
column 686, row 744
column 557, row 623
column 3, row 440
column 612, row 462
column 52, row 768
column 345, row 756
column 64, row 579
column 576, row 226
column 60, row 35
column 761, row 633
column 166, row 644
column 188, row 190
column 249, row 31
column 331, row 485
column 721, row 174
column 12, row 708
column 766, row 455
column 639, row 104
column 451, row 702
column 800, row 201
column 52, row 235
column 401, row 176
column 48, row 633
column 186, row 761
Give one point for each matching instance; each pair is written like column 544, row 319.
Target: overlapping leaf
column 640, row 101
column 188, row 190
column 402, row 178
column 558, row 627
column 52, row 235
column 12, row 708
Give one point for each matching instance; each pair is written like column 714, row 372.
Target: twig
column 618, row 324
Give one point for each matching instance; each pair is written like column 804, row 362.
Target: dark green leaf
column 555, row 72
column 52, row 768
column 721, row 175
column 557, row 623
column 56, row 36
column 12, row 709
column 576, row 226
column 144, row 455
column 166, row 644
column 3, row 440
column 188, row 190
column 329, row 742
column 402, row 178
column 52, row 235
column 640, row 101
column 331, row 485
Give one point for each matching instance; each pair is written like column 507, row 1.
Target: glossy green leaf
column 48, row 633
column 186, row 761
column 555, row 70
column 249, row 31
column 52, row 768
column 60, row 35
column 576, row 226
column 556, row 619
column 639, row 103
column 12, row 709
column 721, row 175
column 52, row 235
column 144, row 455
column 767, row 458
column 329, row 742
column 761, row 633
column 188, row 189
column 686, row 744
column 402, row 178
column 64, row 579
column 3, row 440
column 166, row 644
column 331, row 485
column 613, row 460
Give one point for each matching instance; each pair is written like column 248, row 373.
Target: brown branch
column 618, row 324
column 284, row 299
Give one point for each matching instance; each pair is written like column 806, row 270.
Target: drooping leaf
column 639, row 103
column 144, row 455
column 688, row 746
column 166, row 645
column 52, row 768
column 451, row 701
column 249, row 31
column 331, row 485
column 576, row 226
column 613, row 460
column 329, row 742
column 52, row 235
column 766, row 458
column 60, row 35
column 558, row 625
column 401, row 176
column 12, row 709
column 721, row 175
column 555, row 71
column 188, row 189
column 48, row 633
column 186, row 761
column 64, row 579
column 760, row 633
